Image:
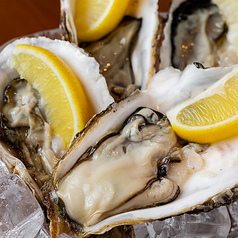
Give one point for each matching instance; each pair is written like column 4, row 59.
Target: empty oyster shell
column 200, row 31
column 205, row 174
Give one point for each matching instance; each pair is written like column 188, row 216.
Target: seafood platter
column 156, row 100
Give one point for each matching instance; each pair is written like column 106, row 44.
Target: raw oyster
column 205, row 174
column 200, row 31
column 134, row 149
column 120, row 152
column 24, row 131
column 124, row 51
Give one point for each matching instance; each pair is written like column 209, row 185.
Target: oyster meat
column 24, row 128
column 102, row 172
column 113, row 53
column 200, row 31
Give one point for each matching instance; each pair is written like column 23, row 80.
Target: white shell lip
column 166, row 48
column 143, row 56
column 86, row 68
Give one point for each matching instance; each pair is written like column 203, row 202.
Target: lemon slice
column 95, row 18
column 63, row 100
column 211, row 116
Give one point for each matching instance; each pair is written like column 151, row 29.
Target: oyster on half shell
column 127, row 55
column 205, row 174
column 200, row 31
column 28, row 146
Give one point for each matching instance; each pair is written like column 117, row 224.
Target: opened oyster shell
column 27, row 136
column 127, row 55
column 90, row 170
column 200, row 31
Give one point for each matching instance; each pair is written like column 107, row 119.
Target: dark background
column 24, row 17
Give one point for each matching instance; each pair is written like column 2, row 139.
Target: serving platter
column 152, row 228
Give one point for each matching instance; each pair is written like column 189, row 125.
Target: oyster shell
column 141, row 54
column 28, row 134
column 205, row 174
column 200, row 31
column 145, row 132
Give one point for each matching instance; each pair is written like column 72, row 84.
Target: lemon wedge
column 211, row 116
column 63, row 100
column 95, row 18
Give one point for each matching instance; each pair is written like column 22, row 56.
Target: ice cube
column 63, row 235
column 20, row 212
column 233, row 210
column 213, row 224
column 141, row 231
column 44, row 231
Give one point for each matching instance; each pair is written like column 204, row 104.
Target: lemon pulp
column 95, row 18
column 213, row 109
column 211, row 116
